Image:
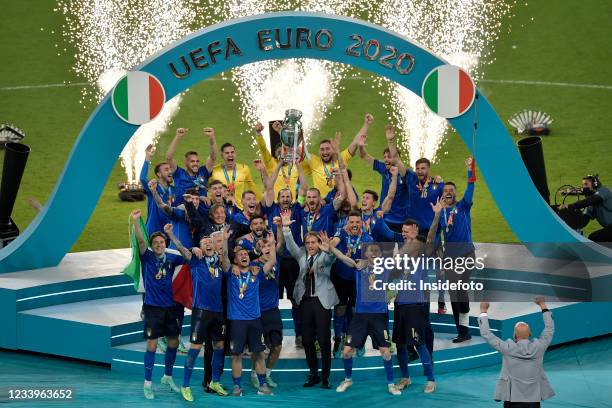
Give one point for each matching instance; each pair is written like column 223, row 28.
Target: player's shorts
column 272, row 326
column 363, row 325
column 246, row 332
column 207, row 325
column 345, row 289
column 161, row 321
column 409, row 324
column 289, row 271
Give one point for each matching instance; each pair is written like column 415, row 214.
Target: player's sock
column 426, row 361
column 149, row 363
column 348, row 367
column 236, row 380
column 261, row 378
column 388, row 369
column 402, row 359
column 169, row 360
column 192, row 355
column 217, row 364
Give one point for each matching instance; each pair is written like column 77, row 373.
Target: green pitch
column 552, row 41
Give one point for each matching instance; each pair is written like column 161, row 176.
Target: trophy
column 291, row 136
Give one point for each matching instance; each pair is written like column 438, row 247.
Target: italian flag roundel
column 448, row 91
column 138, row 97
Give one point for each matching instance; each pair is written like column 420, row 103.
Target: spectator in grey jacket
column 316, row 297
column 522, row 381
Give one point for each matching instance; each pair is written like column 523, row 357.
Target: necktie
column 311, row 275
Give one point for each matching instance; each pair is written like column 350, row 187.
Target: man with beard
column 598, row 204
column 193, row 176
column 401, row 202
column 271, row 321
column 244, row 314
column 322, row 166
column 236, row 176
column 316, row 296
column 207, row 320
column 160, row 318
column 348, row 241
column 156, row 218
column 371, row 315
column 316, row 216
column 456, row 226
column 204, row 225
column 253, row 241
column 288, row 171
column 289, row 268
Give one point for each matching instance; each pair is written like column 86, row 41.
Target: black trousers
column 603, row 235
column 508, row 404
column 460, row 300
column 316, row 324
column 429, row 334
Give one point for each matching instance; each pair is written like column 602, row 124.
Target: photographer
column 598, row 204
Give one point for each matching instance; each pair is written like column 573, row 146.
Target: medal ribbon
column 160, row 263
column 243, row 283
column 311, row 218
column 352, row 244
column 230, row 185
column 423, row 187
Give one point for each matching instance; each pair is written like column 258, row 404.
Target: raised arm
column 295, row 251
column 433, row 228
column 549, row 325
column 302, row 180
column 469, row 191
column 367, row 122
column 184, row 251
column 225, row 261
column 388, row 201
column 265, row 154
column 180, row 132
column 212, row 154
column 361, row 146
column 248, row 180
column 142, row 245
column 494, row 341
column 266, row 198
column 397, row 161
column 158, row 200
column 280, row 237
column 343, row 258
column 144, row 172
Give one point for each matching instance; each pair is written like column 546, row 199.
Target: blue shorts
column 368, row 324
column 246, row 332
column 207, row 325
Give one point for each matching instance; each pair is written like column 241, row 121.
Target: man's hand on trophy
column 258, row 128
column 277, row 126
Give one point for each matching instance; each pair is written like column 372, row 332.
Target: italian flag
column 138, row 97
column 448, row 91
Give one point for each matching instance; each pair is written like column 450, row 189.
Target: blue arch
column 53, row 232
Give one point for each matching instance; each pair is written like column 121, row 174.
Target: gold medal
column 371, row 280
column 241, row 296
column 330, row 181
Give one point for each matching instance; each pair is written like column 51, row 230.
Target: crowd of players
column 307, row 236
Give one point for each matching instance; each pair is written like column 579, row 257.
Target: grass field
column 550, row 40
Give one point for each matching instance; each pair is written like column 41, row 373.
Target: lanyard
column 423, row 187
column 243, row 283
column 230, row 185
column 311, row 218
column 160, row 264
column 211, row 265
column 328, row 175
column 369, row 220
column 449, row 220
column 352, row 244
column 168, row 191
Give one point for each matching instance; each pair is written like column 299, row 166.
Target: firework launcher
column 292, row 137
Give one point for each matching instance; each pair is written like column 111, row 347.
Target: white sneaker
column 393, row 390
column 429, row 387
column 344, row 385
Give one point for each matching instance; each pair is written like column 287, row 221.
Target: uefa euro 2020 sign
column 139, row 97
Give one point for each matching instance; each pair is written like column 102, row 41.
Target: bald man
column 522, row 381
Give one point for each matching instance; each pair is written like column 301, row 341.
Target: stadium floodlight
column 10, row 133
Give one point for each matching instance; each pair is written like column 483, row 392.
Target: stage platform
column 86, row 309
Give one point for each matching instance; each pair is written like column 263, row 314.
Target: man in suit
column 522, row 381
